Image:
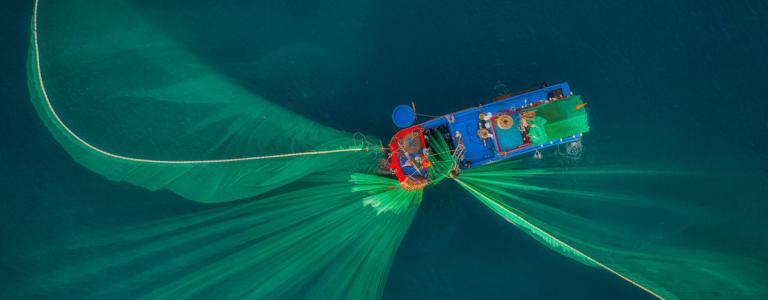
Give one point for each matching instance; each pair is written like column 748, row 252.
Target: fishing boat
column 509, row 126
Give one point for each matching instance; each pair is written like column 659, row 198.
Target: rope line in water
column 127, row 158
column 463, row 184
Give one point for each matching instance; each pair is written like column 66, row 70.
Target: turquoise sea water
column 672, row 85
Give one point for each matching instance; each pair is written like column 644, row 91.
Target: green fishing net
column 637, row 223
column 129, row 103
column 95, row 72
column 441, row 157
column 290, row 206
column 315, row 239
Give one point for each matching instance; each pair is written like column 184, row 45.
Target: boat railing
column 458, row 152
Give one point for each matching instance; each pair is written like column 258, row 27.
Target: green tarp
column 559, row 119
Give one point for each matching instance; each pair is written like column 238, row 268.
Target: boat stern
column 408, row 158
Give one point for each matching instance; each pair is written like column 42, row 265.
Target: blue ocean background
column 670, row 84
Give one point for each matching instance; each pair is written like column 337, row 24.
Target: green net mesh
column 441, row 157
column 385, row 194
column 110, row 93
column 314, row 239
column 129, row 103
column 632, row 222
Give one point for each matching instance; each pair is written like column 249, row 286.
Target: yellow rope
column 462, row 183
column 94, row 148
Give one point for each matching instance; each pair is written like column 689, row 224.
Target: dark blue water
column 667, row 81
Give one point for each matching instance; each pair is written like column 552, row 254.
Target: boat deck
column 503, row 143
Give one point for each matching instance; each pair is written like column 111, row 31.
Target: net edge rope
column 142, row 160
column 609, row 269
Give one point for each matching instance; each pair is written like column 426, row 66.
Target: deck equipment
column 510, row 126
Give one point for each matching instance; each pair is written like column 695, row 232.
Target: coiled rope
column 153, row 161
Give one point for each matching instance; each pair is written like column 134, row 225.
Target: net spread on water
column 189, row 129
column 619, row 219
column 313, row 239
column 131, row 104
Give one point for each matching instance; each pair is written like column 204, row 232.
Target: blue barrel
column 403, row 116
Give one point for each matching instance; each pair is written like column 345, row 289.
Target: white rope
column 462, row 183
column 104, row 152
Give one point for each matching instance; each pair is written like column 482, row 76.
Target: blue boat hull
column 502, row 144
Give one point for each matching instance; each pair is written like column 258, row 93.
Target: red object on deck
column 394, row 163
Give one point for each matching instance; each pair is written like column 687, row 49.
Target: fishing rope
column 465, row 185
column 141, row 160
